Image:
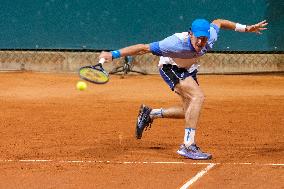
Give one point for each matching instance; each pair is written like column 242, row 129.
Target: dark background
column 109, row 24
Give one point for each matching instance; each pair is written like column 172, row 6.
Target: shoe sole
column 136, row 128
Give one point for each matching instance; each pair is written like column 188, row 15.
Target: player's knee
column 190, row 93
column 198, row 98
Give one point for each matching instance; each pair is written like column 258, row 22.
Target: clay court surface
column 54, row 136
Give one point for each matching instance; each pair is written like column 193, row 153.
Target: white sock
column 156, row 113
column 189, row 134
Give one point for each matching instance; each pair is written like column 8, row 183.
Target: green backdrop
column 109, row 24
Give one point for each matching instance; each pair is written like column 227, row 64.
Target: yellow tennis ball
column 81, row 85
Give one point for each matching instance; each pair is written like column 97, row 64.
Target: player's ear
column 190, row 32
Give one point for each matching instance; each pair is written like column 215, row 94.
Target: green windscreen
column 109, row 24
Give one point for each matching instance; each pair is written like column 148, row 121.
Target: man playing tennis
column 179, row 54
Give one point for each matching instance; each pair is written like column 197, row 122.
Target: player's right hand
column 106, row 55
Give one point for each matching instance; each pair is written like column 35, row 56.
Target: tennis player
column 178, row 67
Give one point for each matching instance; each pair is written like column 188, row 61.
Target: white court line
column 197, row 176
column 33, row 160
column 186, row 185
column 132, row 162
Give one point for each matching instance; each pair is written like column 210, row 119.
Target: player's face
column 198, row 43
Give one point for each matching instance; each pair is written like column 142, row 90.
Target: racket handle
column 102, row 61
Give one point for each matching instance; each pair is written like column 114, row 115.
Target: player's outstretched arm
column 127, row 51
column 255, row 28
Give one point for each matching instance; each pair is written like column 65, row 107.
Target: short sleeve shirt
column 179, row 45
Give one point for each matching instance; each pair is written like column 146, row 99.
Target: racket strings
column 94, row 75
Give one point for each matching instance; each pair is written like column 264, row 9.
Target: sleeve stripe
column 155, row 49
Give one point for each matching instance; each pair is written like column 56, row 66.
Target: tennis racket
column 95, row 74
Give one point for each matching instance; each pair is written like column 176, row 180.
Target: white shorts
column 168, row 60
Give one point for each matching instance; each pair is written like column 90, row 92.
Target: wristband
column 240, row 27
column 115, row 54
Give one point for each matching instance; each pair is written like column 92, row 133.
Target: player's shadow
column 128, row 147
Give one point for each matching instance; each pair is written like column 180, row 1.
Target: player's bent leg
column 175, row 112
column 146, row 116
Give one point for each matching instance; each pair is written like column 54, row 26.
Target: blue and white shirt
column 178, row 46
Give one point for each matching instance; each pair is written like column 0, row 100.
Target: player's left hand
column 257, row 28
